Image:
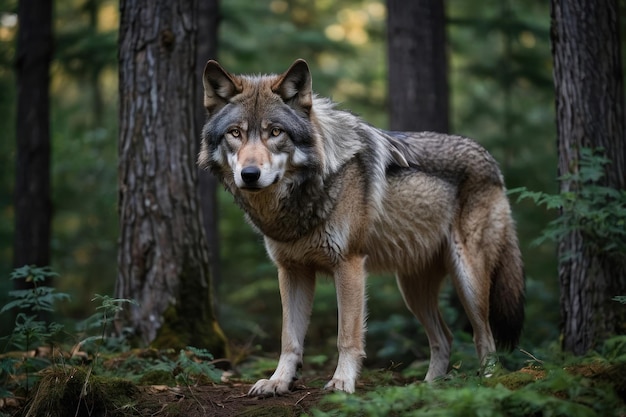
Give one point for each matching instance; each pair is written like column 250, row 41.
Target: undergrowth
column 588, row 207
column 593, row 386
column 52, row 371
column 48, row 370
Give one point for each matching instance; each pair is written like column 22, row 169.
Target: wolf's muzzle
column 250, row 174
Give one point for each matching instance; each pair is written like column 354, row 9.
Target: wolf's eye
column 275, row 132
column 235, row 132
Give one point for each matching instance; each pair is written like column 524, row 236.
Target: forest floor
column 147, row 383
column 224, row 400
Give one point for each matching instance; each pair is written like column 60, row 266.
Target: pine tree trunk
column 33, row 207
column 163, row 257
column 590, row 113
column 418, row 85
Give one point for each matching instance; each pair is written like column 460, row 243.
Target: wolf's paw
column 335, row 384
column 269, row 388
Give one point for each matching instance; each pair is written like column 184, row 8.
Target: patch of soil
column 223, row 401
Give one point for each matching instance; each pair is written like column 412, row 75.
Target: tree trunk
column 208, row 20
column 163, row 257
column 418, row 85
column 590, row 113
column 33, row 207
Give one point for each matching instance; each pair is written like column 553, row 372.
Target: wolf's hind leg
column 297, row 288
column 421, row 296
column 350, row 286
column 472, row 284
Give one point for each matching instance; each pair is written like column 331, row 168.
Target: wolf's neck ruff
column 288, row 211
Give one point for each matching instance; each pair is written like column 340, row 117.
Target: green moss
column 157, row 377
column 62, row 392
column 512, row 381
column 191, row 320
column 178, row 334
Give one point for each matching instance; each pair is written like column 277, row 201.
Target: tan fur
column 332, row 194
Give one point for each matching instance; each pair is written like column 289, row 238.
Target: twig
column 531, row 355
column 303, row 397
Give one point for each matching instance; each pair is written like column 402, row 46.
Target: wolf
column 334, row 195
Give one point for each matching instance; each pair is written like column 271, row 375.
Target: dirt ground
column 223, row 400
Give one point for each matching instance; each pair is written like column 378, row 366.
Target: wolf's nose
column 250, row 174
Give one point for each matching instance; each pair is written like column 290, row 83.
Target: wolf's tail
column 506, row 297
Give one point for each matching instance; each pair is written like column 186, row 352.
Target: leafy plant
column 105, row 313
column 100, row 323
column 620, row 299
column 38, row 298
column 191, row 366
column 558, row 393
column 596, row 211
column 30, row 330
column 450, row 401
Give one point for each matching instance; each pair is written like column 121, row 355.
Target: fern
column 596, row 211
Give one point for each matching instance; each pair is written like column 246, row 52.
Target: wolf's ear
column 219, row 86
column 294, row 86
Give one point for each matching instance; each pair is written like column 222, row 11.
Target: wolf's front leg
column 297, row 288
column 350, row 284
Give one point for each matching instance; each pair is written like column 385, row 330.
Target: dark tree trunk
column 590, row 113
column 33, row 207
column 208, row 20
column 418, row 85
column 163, row 256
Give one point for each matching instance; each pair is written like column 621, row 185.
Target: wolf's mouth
column 251, row 189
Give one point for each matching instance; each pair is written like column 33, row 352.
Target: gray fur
column 334, row 194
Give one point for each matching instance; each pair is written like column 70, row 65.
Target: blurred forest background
column 501, row 94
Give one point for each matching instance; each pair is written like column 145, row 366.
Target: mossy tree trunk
column 590, row 113
column 163, row 257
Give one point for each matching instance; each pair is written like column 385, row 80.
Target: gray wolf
column 334, row 195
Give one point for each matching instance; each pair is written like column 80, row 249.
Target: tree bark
column 208, row 20
column 33, row 206
column 417, row 62
column 163, row 257
column 590, row 113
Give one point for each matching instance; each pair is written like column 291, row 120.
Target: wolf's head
column 259, row 127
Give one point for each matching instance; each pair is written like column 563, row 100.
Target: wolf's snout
column 250, row 174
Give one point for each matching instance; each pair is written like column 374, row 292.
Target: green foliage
column 620, row 299
column 587, row 207
column 33, row 330
column 100, row 323
column 556, row 386
column 71, row 391
column 38, row 298
column 60, row 377
column 449, row 401
column 30, row 330
column 192, row 366
column 612, row 351
column 559, row 393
